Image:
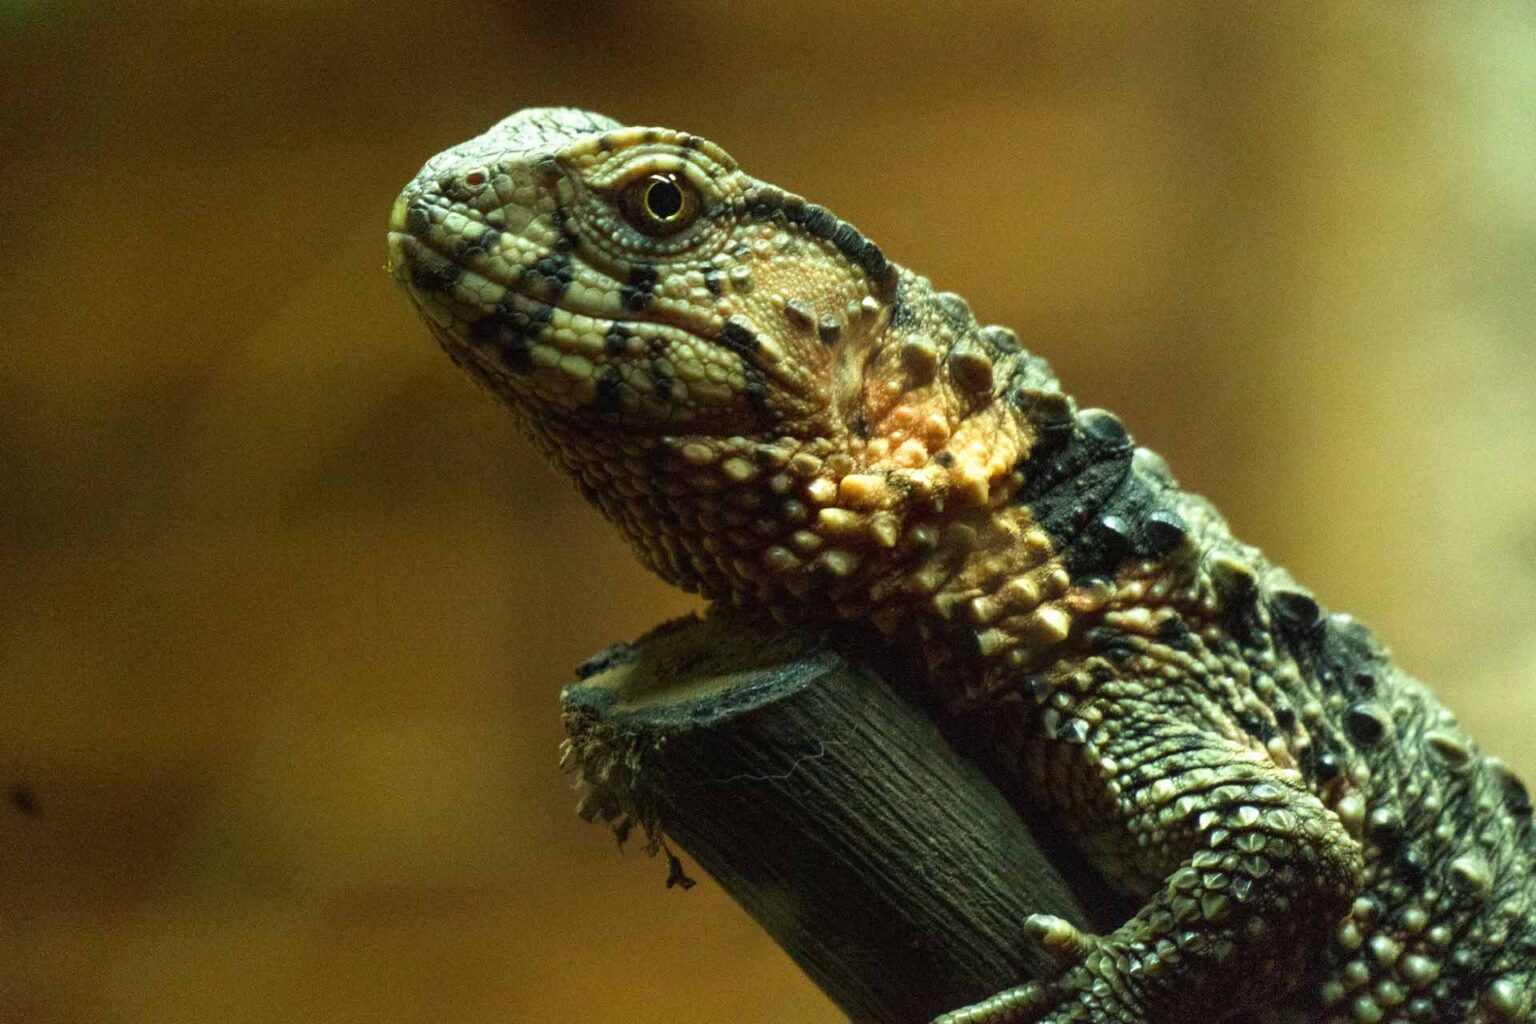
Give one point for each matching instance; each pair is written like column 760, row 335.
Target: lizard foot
column 1101, row 983
column 1083, row 995
column 1029, row 1003
column 1022, row 1005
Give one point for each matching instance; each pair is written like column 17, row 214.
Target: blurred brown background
column 284, row 603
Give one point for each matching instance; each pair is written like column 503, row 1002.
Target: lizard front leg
column 1244, row 871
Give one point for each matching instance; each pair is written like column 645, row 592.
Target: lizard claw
column 1060, row 938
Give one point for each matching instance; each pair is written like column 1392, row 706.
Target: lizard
column 776, row 415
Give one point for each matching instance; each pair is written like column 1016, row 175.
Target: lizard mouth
column 505, row 327
column 431, row 243
column 477, row 283
column 511, row 314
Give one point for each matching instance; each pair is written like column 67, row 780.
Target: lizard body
column 776, row 415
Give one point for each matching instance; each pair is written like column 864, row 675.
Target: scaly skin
column 777, row 416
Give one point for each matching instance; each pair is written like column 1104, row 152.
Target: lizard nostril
column 474, row 178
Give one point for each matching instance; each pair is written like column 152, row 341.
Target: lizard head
column 601, row 277
column 738, row 379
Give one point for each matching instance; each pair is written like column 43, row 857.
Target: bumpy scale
column 776, row 415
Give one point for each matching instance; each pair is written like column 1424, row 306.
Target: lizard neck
column 899, row 505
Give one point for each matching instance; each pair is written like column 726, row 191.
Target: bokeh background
column 285, row 603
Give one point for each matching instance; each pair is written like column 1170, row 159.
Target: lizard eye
column 659, row 204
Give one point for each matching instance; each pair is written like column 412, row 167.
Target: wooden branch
column 885, row 864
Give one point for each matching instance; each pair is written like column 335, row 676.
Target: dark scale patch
column 1065, row 483
column 904, row 315
column 1000, row 340
column 1114, row 534
column 1114, row 644
column 417, row 221
column 1175, row 633
column 847, row 239
column 819, row 222
column 1051, row 412
column 433, row 273
column 455, row 190
column 1105, row 428
column 616, row 339
column 568, row 241
column 955, row 311
column 1517, row 799
column 640, row 290
column 1102, row 675
column 661, row 380
column 1255, row 726
column 480, row 245
column 513, row 329
column 757, row 391
column 1164, row 531
column 610, row 385
column 1337, row 649
column 1082, row 491
column 714, row 281
column 768, row 200
column 1285, row 716
column 739, row 338
column 1169, row 755
column 1072, row 730
column 549, row 168
column 1320, row 761
column 554, row 269
column 1368, row 723
column 1296, row 611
